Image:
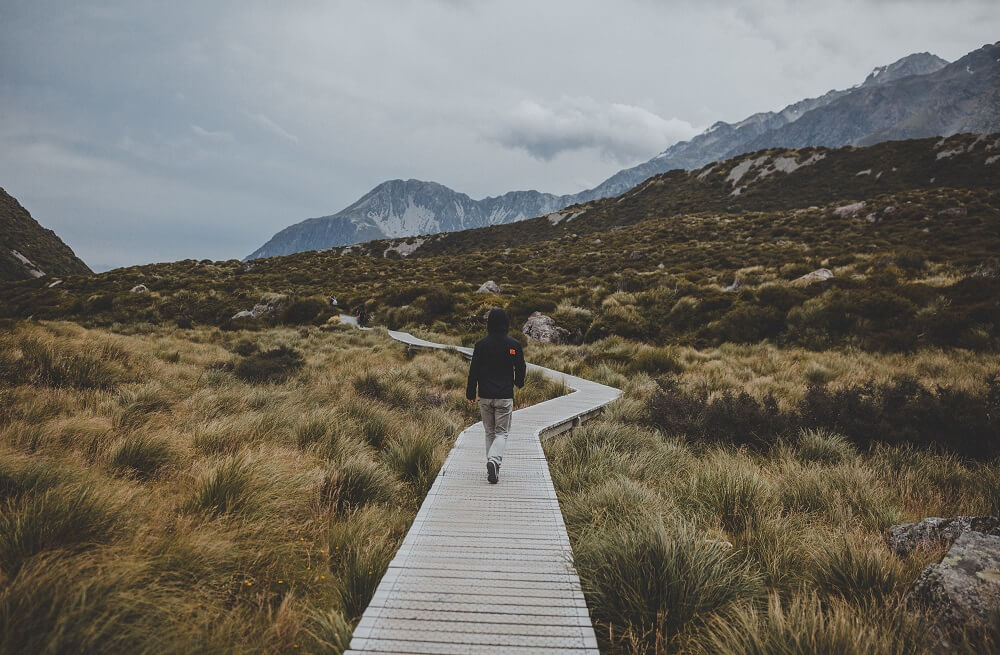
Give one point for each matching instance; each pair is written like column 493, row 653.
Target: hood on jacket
column 497, row 321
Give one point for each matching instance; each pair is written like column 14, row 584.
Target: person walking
column 497, row 367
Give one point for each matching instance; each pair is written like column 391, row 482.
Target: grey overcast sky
column 145, row 131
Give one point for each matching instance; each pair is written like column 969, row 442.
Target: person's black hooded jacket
column 497, row 361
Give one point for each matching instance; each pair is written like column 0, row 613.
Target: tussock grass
column 357, row 481
column 416, row 458
column 66, row 518
column 737, row 497
column 648, row 583
column 20, row 475
column 275, row 365
column 360, row 548
column 823, row 447
column 140, row 455
column 372, row 422
column 329, row 630
column 231, row 486
column 809, row 624
column 858, row 570
column 388, row 388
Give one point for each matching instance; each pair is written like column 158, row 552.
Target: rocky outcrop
column 542, row 328
column 904, row 539
column 819, row 275
column 269, row 304
column 849, row 211
column 139, row 288
column 964, row 589
column 489, row 287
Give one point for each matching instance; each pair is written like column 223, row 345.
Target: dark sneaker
column 491, row 472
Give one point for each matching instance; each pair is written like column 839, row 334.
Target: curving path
column 488, row 568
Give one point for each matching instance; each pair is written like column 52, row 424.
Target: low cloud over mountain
column 619, row 132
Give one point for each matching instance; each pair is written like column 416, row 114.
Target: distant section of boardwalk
column 488, row 568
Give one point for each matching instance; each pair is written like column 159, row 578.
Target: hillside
column 920, row 95
column 909, row 231
column 28, row 250
column 769, row 180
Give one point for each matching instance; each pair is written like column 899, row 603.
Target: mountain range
column 28, row 250
column 920, row 95
column 776, row 179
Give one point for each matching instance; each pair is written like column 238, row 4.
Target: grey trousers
column 496, row 413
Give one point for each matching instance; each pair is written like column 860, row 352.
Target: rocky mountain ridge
column 767, row 180
column 919, row 95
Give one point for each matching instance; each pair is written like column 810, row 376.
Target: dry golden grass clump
column 204, row 491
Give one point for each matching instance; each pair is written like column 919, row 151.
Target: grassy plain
column 719, row 543
column 171, row 491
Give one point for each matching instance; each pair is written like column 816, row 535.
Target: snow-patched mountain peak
column 400, row 208
column 921, row 63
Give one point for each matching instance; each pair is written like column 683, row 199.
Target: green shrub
column 437, row 302
column 300, row 311
column 901, row 412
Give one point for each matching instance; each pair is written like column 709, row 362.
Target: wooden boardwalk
column 488, row 568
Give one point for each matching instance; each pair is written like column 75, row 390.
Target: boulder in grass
column 849, row 211
column 819, row 275
column 139, row 288
column 489, row 287
column 964, row 589
column 934, row 531
column 542, row 328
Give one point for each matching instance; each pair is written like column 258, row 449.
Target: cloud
column 619, row 132
column 210, row 135
column 269, row 125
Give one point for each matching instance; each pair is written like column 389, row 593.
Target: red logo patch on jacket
column 513, row 352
